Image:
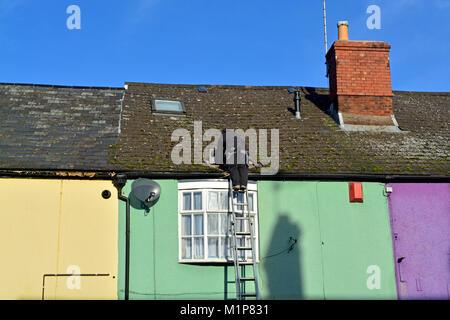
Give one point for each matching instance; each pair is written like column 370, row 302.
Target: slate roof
column 49, row 127
column 313, row 145
column 55, row 127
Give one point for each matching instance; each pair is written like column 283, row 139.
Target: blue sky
column 243, row 42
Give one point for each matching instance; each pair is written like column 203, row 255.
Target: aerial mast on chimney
column 325, row 26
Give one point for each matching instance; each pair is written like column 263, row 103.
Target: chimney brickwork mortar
column 360, row 78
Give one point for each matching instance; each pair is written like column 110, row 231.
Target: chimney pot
column 342, row 30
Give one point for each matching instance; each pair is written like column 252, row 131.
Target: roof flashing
column 370, row 128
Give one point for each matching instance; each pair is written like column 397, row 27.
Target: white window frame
column 205, row 186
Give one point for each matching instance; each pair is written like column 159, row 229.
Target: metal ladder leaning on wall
column 239, row 261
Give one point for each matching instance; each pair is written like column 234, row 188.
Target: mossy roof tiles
column 57, row 128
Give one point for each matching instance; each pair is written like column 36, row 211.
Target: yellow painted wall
column 47, row 226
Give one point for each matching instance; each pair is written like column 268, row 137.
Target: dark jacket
column 233, row 154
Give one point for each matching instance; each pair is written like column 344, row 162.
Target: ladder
column 239, row 245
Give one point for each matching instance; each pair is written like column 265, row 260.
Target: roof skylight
column 168, row 106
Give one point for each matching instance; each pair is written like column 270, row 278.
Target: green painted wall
column 336, row 242
column 154, row 269
column 356, row 236
column 289, row 209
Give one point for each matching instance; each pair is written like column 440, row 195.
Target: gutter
column 57, row 174
column 110, row 175
column 296, row 177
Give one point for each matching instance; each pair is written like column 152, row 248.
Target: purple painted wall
column 420, row 224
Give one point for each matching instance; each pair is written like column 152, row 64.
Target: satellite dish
column 146, row 191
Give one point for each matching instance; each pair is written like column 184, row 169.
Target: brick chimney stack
column 360, row 80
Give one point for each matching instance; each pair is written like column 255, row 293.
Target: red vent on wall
column 356, row 193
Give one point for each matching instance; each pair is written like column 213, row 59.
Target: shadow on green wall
column 281, row 264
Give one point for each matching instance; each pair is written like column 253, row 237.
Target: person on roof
column 232, row 156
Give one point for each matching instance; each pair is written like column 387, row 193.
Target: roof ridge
column 430, row 93
column 220, row 86
column 59, row 86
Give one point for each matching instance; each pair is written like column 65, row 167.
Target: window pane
column 250, row 202
column 213, row 201
column 240, row 226
column 186, row 225
column 198, row 224
column 187, row 201
column 224, row 200
column 186, row 245
column 240, row 199
column 197, row 201
column 167, row 105
column 213, row 247
column 241, row 243
column 198, row 248
column 224, row 223
column 213, row 223
column 225, row 245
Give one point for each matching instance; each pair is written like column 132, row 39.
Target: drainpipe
column 119, row 182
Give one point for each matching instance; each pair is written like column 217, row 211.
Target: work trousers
column 239, row 174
